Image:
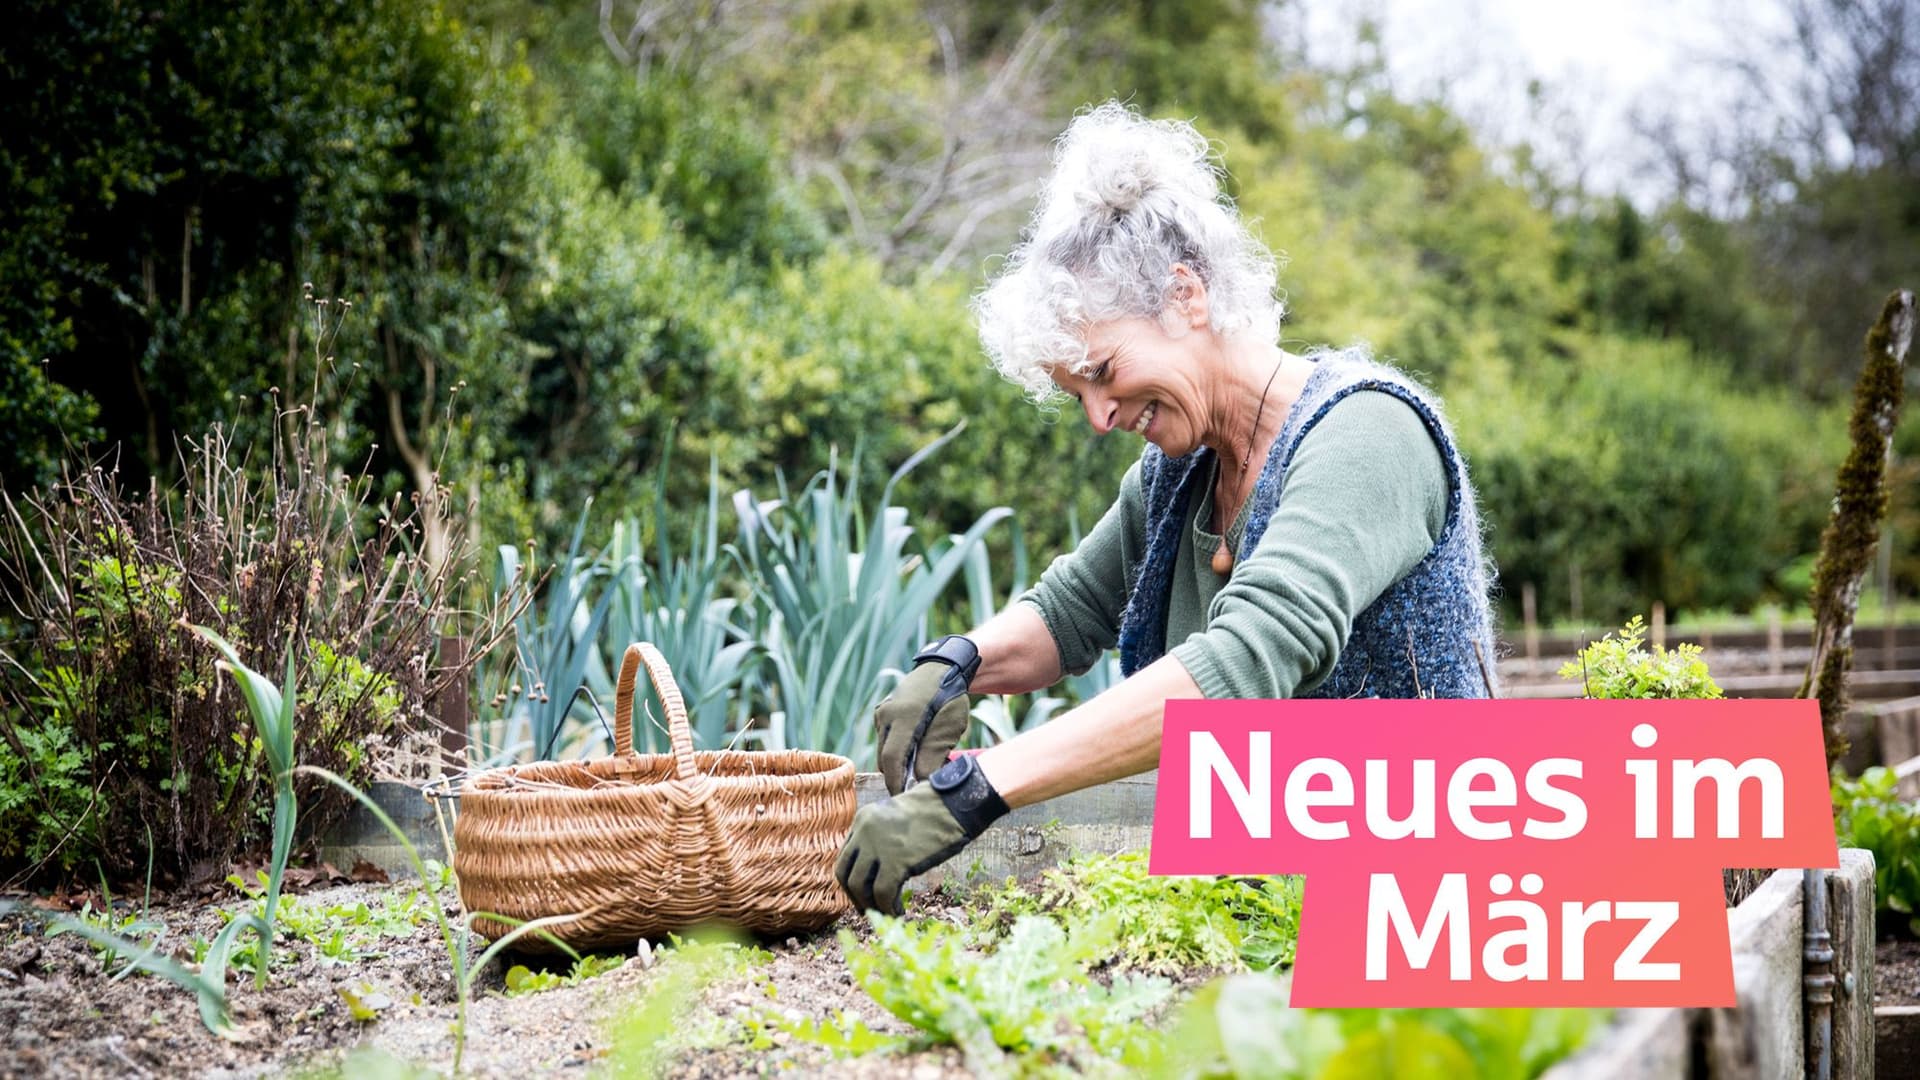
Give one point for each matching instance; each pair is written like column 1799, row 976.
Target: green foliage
column 1029, row 1001
column 699, row 156
column 46, row 797
column 104, row 687
column 1695, row 492
column 273, row 722
column 1616, row 667
column 843, row 591
column 521, row 979
column 649, row 1032
column 681, row 600
column 1162, row 924
column 844, row 1035
column 341, row 933
column 1243, row 1027
column 821, row 597
column 1869, row 813
column 458, row 941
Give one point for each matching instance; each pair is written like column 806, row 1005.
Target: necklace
column 1223, row 556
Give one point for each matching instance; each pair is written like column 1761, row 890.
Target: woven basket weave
column 636, row 845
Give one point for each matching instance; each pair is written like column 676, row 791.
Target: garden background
column 608, row 264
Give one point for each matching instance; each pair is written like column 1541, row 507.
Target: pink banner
column 1498, row 853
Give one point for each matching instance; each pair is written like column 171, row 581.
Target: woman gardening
column 1296, row 526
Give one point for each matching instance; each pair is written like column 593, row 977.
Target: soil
column 62, row 1013
column 1896, row 971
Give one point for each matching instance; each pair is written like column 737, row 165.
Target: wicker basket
column 636, row 845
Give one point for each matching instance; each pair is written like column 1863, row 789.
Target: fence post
column 455, row 705
column 1775, row 662
column 1659, row 632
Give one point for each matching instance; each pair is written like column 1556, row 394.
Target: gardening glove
column 905, row 836
column 927, row 714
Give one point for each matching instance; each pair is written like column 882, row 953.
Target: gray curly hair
column 1128, row 198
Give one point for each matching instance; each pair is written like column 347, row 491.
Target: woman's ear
column 1189, row 307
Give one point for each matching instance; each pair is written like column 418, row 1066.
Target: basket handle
column 641, row 652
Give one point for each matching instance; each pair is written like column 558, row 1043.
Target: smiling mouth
column 1146, row 418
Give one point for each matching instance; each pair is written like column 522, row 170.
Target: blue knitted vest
column 1416, row 639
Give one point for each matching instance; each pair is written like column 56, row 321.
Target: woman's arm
column 1017, row 653
column 1116, row 734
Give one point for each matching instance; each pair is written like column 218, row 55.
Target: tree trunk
column 1859, row 506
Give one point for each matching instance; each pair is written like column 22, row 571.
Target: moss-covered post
column 1859, row 506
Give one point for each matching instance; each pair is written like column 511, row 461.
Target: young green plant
column 466, row 967
column 273, row 709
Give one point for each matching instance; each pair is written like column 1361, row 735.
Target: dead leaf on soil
column 364, row 873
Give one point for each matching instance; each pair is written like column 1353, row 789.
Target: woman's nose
column 1102, row 412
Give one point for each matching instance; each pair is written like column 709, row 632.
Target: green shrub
column 113, row 724
column 1617, row 667
column 1869, row 813
column 1697, row 492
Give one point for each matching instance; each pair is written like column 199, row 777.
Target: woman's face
column 1143, row 380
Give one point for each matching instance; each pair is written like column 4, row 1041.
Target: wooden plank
column 455, row 709
column 1764, row 1033
column 1897, row 728
column 1864, row 684
column 1906, row 778
column 1850, row 920
column 1896, row 1040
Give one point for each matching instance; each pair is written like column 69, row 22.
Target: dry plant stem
column 1859, row 507
column 290, row 548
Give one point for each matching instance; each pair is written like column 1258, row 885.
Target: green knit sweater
column 1363, row 501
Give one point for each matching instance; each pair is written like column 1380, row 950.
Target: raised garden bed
column 1085, row 972
column 361, row 966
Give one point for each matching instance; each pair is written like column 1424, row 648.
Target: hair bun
column 1111, row 159
column 1125, row 180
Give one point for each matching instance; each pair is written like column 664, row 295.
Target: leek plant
column 272, row 708
column 679, row 603
column 273, row 715
column 552, row 651
column 841, row 602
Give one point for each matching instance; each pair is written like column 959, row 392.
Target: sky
column 1599, row 63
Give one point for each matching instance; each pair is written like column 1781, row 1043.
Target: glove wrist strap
column 956, row 651
column 969, row 795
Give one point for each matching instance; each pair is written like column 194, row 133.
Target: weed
column 649, row 1033
column 1162, row 924
column 1243, row 1027
column 522, row 980
column 1030, row 999
column 118, row 935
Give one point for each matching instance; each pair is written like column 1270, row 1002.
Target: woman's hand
column 905, row 836
column 926, row 716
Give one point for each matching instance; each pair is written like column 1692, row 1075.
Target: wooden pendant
column 1223, row 559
